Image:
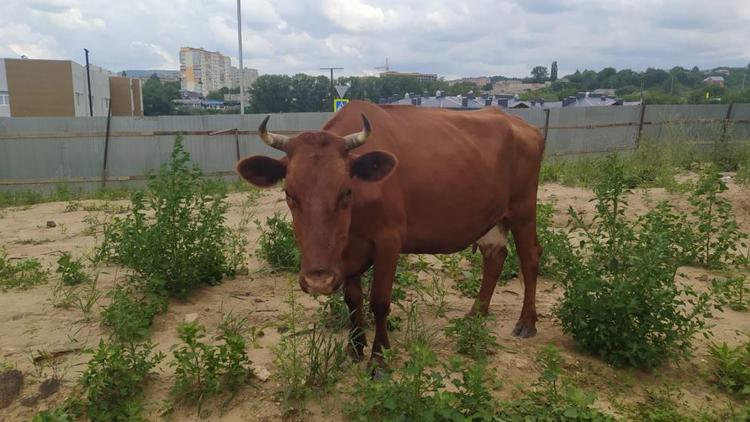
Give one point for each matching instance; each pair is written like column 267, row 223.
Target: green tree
column 539, row 74
column 553, row 72
column 158, row 96
column 271, row 94
column 218, row 95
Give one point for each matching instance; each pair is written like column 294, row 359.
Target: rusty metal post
column 640, row 124
column 106, row 146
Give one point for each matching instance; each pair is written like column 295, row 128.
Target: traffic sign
column 338, row 103
column 341, row 89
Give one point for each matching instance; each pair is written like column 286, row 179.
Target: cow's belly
column 449, row 221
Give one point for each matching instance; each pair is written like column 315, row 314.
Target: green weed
column 131, row 312
column 418, row 391
column 718, row 236
column 113, row 381
column 309, row 360
column 732, row 367
column 552, row 398
column 185, row 242
column 20, row 275
column 276, row 244
column 71, row 270
column 621, row 301
column 472, row 336
column 204, row 369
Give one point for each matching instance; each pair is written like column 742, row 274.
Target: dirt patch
column 11, row 383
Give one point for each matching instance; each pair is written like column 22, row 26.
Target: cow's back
column 458, row 172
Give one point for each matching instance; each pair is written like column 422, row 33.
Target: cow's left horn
column 356, row 139
column 272, row 139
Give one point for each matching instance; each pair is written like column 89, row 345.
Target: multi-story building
column 422, row 77
column 31, row 88
column 205, row 71
column 250, row 75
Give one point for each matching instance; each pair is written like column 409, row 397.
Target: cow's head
column 319, row 168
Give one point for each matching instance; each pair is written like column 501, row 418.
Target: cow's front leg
column 353, row 299
column 386, row 258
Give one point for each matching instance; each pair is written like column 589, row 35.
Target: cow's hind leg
column 529, row 253
column 353, row 299
column 493, row 246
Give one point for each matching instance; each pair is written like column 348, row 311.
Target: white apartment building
column 205, row 71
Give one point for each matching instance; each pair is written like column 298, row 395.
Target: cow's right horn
column 273, row 140
column 356, row 139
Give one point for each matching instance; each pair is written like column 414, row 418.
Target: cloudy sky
column 449, row 37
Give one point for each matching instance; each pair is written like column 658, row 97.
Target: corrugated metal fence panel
column 697, row 123
column 585, row 130
column 51, row 148
column 533, row 116
column 739, row 127
column 42, row 152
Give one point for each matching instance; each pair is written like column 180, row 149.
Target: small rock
column 10, row 386
column 259, row 300
column 521, row 364
column 49, row 387
column 16, row 317
column 30, row 401
column 51, row 224
column 260, row 372
column 191, row 317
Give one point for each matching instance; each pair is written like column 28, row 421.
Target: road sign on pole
column 341, row 90
column 338, row 103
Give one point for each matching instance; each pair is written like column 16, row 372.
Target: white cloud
column 448, row 37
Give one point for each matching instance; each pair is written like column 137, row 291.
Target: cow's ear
column 374, row 166
column 261, row 171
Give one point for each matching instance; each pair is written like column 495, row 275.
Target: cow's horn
column 356, row 139
column 272, row 139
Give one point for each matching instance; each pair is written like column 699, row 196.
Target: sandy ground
column 29, row 324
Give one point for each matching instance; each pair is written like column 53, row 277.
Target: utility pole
column 242, row 66
column 333, row 90
column 88, row 79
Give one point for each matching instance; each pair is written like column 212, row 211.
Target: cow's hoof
column 356, row 353
column 378, row 368
column 378, row 373
column 524, row 329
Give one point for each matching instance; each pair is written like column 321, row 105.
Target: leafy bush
column 732, row 367
column 718, row 236
column 204, row 369
column 176, row 229
column 130, row 313
column 71, row 270
column 552, row 398
column 621, row 301
column 21, row 275
column 472, row 336
column 277, row 245
column 417, row 391
column 113, row 381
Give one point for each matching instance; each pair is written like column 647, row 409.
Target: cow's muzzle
column 319, row 282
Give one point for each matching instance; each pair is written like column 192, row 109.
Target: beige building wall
column 122, row 96
column 38, row 88
column 137, row 93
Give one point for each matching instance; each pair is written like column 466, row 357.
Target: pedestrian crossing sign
column 338, row 103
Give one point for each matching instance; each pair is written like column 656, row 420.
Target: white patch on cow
column 493, row 240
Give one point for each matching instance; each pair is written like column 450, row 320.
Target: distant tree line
column 305, row 93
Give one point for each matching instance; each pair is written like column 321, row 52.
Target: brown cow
column 416, row 181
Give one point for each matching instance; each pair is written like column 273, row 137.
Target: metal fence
column 90, row 152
